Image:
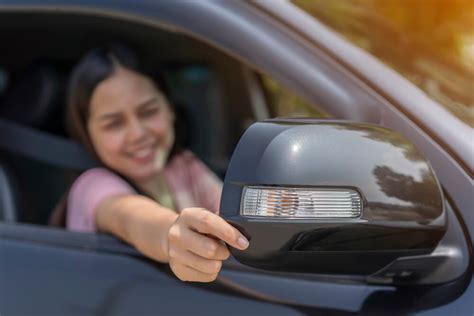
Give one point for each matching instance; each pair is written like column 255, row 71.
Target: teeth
column 142, row 153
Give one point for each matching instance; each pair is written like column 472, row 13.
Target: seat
column 29, row 188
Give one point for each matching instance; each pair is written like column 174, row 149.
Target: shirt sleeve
column 87, row 192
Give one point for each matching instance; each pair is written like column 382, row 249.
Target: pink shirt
column 191, row 184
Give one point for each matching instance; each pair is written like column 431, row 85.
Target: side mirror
column 334, row 197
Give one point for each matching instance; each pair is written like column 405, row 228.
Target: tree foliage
column 430, row 42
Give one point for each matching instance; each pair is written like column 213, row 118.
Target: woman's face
column 131, row 125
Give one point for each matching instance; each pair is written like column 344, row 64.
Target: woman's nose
column 136, row 130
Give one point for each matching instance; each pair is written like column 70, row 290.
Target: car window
column 189, row 86
column 283, row 102
column 205, row 83
column 431, row 43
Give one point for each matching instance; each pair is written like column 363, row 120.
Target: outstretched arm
column 193, row 242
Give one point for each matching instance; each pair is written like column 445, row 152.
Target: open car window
column 217, row 97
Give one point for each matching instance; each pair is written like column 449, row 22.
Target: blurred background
column 430, row 42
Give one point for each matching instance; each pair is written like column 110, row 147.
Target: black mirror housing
column 395, row 201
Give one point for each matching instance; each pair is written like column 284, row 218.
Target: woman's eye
column 150, row 111
column 113, row 125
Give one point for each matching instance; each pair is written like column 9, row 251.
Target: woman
column 128, row 124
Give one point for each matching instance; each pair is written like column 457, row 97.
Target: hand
column 196, row 244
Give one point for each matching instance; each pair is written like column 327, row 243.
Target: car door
column 53, row 272
column 104, row 276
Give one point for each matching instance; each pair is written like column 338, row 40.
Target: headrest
column 31, row 96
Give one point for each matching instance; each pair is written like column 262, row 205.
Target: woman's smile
column 141, row 151
column 145, row 155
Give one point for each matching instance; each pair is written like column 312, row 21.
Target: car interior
column 216, row 98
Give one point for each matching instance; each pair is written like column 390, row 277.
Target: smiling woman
column 149, row 192
column 130, row 125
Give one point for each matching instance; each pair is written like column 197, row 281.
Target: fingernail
column 243, row 242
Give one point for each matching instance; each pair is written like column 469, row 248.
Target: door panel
column 37, row 279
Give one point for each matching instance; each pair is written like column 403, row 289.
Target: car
column 228, row 64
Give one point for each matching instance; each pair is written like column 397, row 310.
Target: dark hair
column 92, row 69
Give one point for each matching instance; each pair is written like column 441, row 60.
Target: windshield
column 430, row 42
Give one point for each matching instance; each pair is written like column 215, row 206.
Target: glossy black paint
column 403, row 211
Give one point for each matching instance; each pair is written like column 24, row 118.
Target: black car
column 229, row 64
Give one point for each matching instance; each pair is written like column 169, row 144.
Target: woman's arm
column 193, row 242
column 139, row 221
